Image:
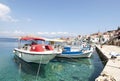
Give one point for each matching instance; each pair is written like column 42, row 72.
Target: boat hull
column 75, row 55
column 35, row 57
column 75, row 52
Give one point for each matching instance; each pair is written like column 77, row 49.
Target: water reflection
column 28, row 68
column 59, row 69
column 74, row 61
column 70, row 69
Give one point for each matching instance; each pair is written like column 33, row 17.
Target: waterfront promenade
column 111, row 71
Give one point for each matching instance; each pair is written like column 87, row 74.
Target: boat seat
column 48, row 47
column 38, row 48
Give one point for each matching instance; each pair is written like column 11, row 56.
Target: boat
column 35, row 50
column 69, row 52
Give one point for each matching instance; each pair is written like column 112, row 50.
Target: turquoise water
column 14, row 69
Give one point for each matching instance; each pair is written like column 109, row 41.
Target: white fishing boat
column 69, row 52
column 35, row 52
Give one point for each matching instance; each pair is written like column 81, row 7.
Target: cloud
column 53, row 33
column 5, row 14
column 5, row 32
column 63, row 33
column 12, row 33
column 43, row 33
column 16, row 33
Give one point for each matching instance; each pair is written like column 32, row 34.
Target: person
column 33, row 43
column 26, row 47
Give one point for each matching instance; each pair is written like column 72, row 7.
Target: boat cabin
column 34, row 45
column 41, row 48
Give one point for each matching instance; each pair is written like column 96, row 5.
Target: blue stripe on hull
column 78, row 52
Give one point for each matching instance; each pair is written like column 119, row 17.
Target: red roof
column 31, row 38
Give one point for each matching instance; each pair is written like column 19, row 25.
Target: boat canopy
column 32, row 38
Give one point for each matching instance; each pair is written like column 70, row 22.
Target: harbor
column 58, row 69
column 111, row 70
column 59, row 40
column 82, row 58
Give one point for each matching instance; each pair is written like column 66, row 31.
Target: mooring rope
column 38, row 68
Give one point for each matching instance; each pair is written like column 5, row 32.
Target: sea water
column 13, row 68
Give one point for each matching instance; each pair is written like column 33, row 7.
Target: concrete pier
column 111, row 71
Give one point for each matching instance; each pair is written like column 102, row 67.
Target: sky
column 58, row 17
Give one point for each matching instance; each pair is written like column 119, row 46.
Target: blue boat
column 69, row 52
